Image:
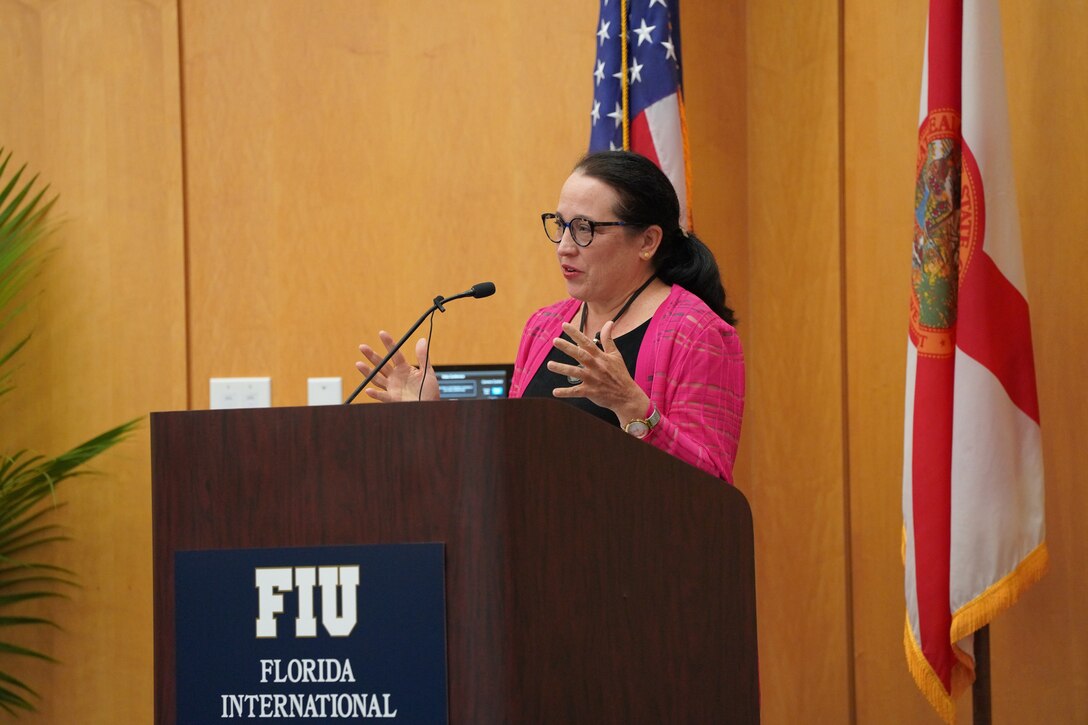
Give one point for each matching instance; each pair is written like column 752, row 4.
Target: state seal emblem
column 944, row 232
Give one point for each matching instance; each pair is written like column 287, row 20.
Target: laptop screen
column 467, row 382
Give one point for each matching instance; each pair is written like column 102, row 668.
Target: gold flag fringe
column 1001, row 595
column 925, row 678
column 971, row 617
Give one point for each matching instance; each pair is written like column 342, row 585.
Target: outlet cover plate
column 324, row 391
column 229, row 393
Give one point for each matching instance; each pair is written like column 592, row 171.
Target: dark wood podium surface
column 589, row 576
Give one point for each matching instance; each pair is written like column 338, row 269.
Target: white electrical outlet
column 226, row 393
column 323, row 391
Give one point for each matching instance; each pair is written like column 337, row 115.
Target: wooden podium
column 589, row 576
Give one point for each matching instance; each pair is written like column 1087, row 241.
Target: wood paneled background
column 251, row 187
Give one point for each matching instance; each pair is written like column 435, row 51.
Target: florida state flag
column 972, row 465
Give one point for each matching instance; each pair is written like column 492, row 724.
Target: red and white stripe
column 659, row 133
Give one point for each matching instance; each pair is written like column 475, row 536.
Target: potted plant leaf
column 28, row 480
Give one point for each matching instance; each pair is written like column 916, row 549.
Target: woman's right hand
column 398, row 381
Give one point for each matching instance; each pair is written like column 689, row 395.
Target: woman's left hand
column 604, row 376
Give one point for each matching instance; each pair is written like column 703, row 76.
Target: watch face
column 638, row 429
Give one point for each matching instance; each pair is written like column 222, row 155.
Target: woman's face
column 609, row 269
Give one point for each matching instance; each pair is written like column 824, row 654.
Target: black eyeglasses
column 581, row 229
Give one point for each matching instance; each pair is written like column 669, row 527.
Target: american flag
column 638, row 103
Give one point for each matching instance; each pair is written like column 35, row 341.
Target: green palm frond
column 9, row 699
column 22, row 225
column 28, row 480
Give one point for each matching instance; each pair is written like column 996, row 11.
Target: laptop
column 473, row 382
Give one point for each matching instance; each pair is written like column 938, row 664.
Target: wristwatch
column 641, row 427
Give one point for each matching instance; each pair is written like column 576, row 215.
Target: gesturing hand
column 398, row 381
column 604, row 376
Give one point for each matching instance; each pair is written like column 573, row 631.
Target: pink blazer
column 690, row 365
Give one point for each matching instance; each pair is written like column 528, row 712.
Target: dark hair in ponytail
column 646, row 198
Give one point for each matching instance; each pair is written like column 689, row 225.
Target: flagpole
column 980, row 691
column 624, row 79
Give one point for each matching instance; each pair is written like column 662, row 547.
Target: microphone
column 481, row 289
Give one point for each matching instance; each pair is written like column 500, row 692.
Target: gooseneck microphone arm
column 483, row 289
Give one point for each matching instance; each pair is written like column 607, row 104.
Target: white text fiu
column 339, row 588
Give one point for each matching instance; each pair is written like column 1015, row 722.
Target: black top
column 545, row 381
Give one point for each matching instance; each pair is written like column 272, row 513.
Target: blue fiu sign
column 311, row 634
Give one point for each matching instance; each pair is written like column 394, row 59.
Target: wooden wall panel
column 1040, row 655
column 716, row 101
column 794, row 425
column 91, row 100
column 882, row 72
column 349, row 161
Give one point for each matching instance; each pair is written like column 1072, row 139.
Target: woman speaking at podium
column 645, row 340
